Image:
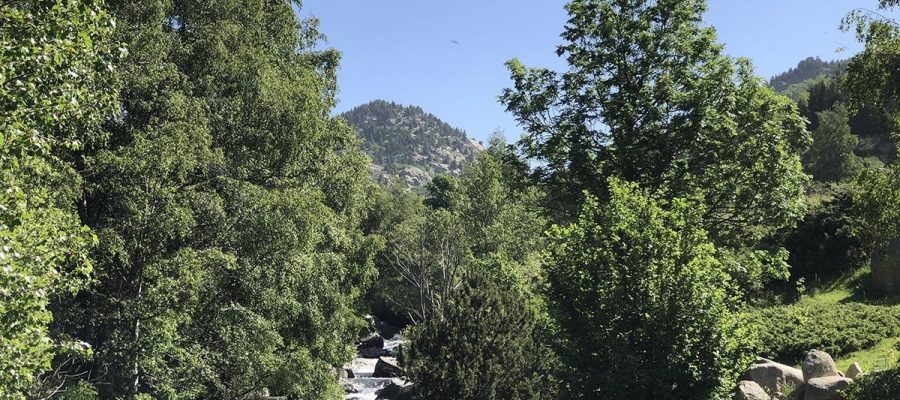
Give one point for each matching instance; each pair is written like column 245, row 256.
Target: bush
column 485, row 346
column 822, row 246
column 787, row 333
column 881, row 385
column 644, row 302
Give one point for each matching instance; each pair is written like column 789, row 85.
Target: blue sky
column 447, row 56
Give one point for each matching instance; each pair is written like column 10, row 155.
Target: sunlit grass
column 883, row 356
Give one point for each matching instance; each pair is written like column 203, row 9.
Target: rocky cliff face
column 408, row 145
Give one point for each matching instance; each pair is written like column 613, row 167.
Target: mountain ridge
column 409, row 145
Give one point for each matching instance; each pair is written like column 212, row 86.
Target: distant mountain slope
column 408, row 144
column 810, row 68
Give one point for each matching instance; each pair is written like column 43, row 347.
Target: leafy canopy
column 649, row 97
column 637, row 289
column 55, row 63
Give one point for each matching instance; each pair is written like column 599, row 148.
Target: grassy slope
column 847, row 290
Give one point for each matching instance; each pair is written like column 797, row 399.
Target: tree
column 831, row 157
column 55, row 86
column 428, row 248
column 486, row 345
column 871, row 73
column 637, row 289
column 649, row 97
column 422, row 264
column 228, row 203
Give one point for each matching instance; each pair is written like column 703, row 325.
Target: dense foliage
column 831, row 157
column 827, row 242
column 227, row 204
column 486, row 345
column 787, row 333
column 56, row 61
column 807, row 69
column 431, row 241
column 879, row 385
column 651, row 98
column 638, row 287
column 186, row 219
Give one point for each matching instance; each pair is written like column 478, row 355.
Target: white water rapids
column 364, row 386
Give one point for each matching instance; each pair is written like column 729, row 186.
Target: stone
column 818, row 364
column 387, row 368
column 826, row 388
column 372, row 353
column 396, row 392
column 885, row 275
column 371, row 347
column 772, row 376
column 749, row 390
column 799, row 393
column 373, row 341
column 854, row 371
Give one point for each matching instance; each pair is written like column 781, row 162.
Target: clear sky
column 447, row 55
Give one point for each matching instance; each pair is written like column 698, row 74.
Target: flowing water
column 365, row 387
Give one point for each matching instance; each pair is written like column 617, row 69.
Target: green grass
column 836, row 315
column 883, row 356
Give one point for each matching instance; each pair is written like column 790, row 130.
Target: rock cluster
column 817, row 379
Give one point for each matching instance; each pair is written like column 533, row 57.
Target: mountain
column 409, row 145
column 810, row 68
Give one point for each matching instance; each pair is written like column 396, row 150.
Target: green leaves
column 486, row 346
column 635, row 284
column 227, row 201
column 52, row 95
column 649, row 97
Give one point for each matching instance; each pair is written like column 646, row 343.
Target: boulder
column 373, row 341
column 371, row 347
column 372, row 353
column 826, row 388
column 749, row 390
column 818, row 364
column 772, row 376
column 387, row 368
column 885, row 274
column 854, row 371
column 396, row 392
column 799, row 393
column 349, row 373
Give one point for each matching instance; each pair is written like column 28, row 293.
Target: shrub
column 881, row 385
column 485, row 344
column 787, row 333
column 644, row 302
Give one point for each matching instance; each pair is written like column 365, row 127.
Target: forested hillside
column 818, row 86
column 182, row 216
column 808, row 69
column 408, row 145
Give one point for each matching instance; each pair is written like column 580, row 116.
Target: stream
column 363, row 386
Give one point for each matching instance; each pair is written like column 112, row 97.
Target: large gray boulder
column 885, row 274
column 749, row 390
column 772, row 376
column 387, row 368
column 818, row 364
column 827, row 388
